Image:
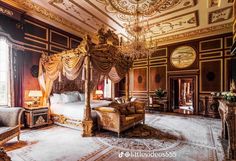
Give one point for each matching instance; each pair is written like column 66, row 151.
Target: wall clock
column 183, row 57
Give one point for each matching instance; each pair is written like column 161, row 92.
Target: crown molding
column 195, row 34
column 39, row 12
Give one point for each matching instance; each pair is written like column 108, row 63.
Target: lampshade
column 99, row 92
column 35, row 93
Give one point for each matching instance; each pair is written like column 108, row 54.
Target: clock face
column 183, row 57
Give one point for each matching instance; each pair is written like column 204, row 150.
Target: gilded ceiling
column 167, row 18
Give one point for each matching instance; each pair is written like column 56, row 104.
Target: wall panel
column 140, row 76
column 157, row 77
column 211, row 75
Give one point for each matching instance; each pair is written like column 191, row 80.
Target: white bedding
column 75, row 110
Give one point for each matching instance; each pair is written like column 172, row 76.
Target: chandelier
column 139, row 45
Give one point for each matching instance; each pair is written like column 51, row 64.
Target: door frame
column 195, row 92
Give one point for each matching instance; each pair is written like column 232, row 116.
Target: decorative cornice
column 210, row 31
column 31, row 7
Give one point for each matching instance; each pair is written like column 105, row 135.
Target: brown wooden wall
column 33, row 37
column 211, row 68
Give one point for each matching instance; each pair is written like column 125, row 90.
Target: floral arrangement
column 229, row 96
column 217, row 94
column 160, row 93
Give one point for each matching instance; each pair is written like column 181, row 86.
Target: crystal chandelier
column 139, row 45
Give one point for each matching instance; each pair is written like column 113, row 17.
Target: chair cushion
column 137, row 117
column 6, row 132
column 129, row 120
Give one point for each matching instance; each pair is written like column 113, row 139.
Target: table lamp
column 99, row 94
column 35, row 94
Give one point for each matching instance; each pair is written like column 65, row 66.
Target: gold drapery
column 51, row 67
column 106, row 60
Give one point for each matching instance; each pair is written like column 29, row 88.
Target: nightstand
column 36, row 116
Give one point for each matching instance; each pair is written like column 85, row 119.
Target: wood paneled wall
column 211, row 68
column 33, row 37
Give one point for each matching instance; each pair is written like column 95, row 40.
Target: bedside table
column 36, row 116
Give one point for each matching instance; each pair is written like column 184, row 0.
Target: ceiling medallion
column 145, row 7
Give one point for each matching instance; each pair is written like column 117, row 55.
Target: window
column 4, row 71
column 107, row 88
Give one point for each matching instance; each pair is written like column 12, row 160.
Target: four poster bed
column 89, row 64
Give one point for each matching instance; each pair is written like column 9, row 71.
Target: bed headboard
column 68, row 85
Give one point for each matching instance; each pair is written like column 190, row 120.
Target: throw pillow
column 131, row 109
column 122, row 109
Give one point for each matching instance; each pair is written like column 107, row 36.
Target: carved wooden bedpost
column 3, row 155
column 87, row 120
column 127, row 86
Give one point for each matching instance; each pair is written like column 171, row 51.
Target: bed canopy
column 104, row 58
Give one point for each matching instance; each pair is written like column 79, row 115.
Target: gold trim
column 151, row 58
column 5, row 11
column 143, row 63
column 27, row 34
column 178, row 17
column 221, row 74
column 157, row 61
column 34, row 50
column 50, row 48
column 164, row 65
column 225, row 40
column 226, row 51
column 28, row 5
column 217, row 11
column 221, row 45
column 72, row 39
column 67, row 39
column 147, row 74
column 88, row 1
column 103, row 22
column 210, row 57
column 37, row 41
column 183, row 71
column 225, row 71
column 196, row 34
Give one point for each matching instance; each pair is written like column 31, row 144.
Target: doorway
column 183, row 95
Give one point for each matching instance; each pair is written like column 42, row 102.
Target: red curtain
column 18, row 75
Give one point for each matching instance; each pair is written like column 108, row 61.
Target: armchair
column 10, row 120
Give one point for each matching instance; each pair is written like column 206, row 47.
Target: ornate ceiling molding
column 80, row 13
column 126, row 14
column 145, row 7
column 220, row 15
column 104, row 13
column 178, row 23
column 42, row 12
column 210, row 31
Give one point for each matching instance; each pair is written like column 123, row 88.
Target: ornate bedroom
column 101, row 80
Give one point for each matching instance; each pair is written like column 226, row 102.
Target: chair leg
column 118, row 134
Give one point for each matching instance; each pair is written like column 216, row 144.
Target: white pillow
column 73, row 98
column 65, row 98
column 76, row 93
column 133, row 99
column 82, row 96
column 55, row 98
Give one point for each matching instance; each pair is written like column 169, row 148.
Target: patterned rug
column 163, row 137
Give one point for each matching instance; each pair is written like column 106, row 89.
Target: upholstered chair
column 10, row 122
